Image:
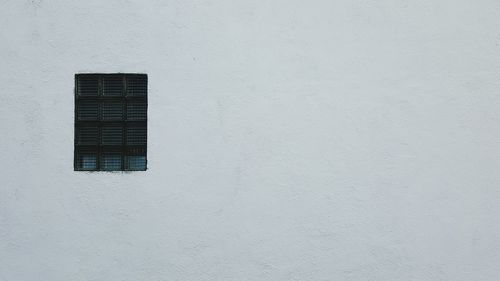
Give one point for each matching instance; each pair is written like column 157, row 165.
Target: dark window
column 111, row 122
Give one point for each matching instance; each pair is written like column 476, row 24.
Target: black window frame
column 131, row 146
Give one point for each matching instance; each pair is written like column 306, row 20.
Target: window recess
column 110, row 122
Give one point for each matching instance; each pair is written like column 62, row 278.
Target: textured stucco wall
column 288, row 140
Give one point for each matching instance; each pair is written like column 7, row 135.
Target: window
column 110, row 122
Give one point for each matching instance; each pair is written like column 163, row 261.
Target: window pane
column 136, row 136
column 137, row 85
column 112, row 111
column 87, row 135
column 111, row 162
column 136, row 163
column 112, row 86
column 87, row 85
column 86, row 161
column 112, row 135
column 136, row 111
column 87, row 110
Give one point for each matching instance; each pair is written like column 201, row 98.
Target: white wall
column 288, row 140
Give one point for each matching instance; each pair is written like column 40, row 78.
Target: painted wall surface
column 288, row 140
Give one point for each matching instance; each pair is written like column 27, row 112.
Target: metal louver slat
column 137, row 85
column 87, row 135
column 136, row 136
column 112, row 85
column 112, row 111
column 136, row 111
column 88, row 85
column 88, row 110
column 112, row 135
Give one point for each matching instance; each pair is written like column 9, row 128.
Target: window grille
column 110, row 122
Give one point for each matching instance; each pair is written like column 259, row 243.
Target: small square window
column 110, row 122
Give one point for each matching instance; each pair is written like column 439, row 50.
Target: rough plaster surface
column 288, row 140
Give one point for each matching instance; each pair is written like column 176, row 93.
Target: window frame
column 99, row 148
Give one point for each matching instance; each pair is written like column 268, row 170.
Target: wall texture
column 288, row 140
